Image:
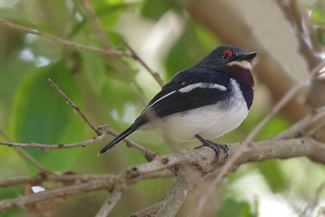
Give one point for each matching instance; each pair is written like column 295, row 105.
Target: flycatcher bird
column 204, row 102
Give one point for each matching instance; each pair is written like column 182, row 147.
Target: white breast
column 210, row 121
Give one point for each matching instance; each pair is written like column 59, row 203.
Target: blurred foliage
column 233, row 208
column 31, row 110
column 154, row 9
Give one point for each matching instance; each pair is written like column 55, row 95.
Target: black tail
column 117, row 139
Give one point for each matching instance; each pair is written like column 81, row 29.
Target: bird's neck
column 241, row 74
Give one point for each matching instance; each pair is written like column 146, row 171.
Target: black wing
column 171, row 100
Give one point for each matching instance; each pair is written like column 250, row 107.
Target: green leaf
column 273, row 175
column 15, row 15
column 41, row 115
column 234, row 208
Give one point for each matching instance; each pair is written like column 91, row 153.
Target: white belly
column 210, row 122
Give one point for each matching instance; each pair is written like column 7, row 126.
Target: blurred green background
column 169, row 39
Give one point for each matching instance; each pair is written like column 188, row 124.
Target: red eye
column 228, row 53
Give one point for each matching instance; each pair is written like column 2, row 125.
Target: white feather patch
column 202, row 85
column 161, row 98
column 243, row 64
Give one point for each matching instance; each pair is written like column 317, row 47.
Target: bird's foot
column 214, row 146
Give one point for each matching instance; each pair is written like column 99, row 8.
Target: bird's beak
column 248, row 57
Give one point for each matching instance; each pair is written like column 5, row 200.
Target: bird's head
column 233, row 61
column 229, row 55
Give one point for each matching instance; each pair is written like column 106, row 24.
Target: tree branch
column 110, row 203
column 203, row 157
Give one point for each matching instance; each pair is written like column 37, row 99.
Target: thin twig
column 135, row 56
column 25, row 154
column 96, row 24
column 4, row 135
column 106, row 130
column 110, row 203
column 41, row 177
column 287, row 97
column 303, row 123
column 64, row 42
column 74, row 106
column 32, row 160
column 313, row 203
column 46, row 147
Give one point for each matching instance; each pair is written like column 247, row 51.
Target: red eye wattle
column 228, row 52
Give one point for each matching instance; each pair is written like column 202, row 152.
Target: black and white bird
column 203, row 102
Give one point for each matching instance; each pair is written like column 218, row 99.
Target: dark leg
column 214, row 146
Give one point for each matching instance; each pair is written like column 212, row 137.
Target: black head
column 227, row 54
column 233, row 61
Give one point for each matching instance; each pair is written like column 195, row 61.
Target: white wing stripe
column 202, row 85
column 161, row 98
column 188, row 89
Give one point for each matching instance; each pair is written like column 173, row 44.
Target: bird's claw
column 215, row 147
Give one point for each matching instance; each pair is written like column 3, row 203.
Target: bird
column 203, row 102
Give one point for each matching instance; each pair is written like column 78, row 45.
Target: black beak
column 248, row 57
